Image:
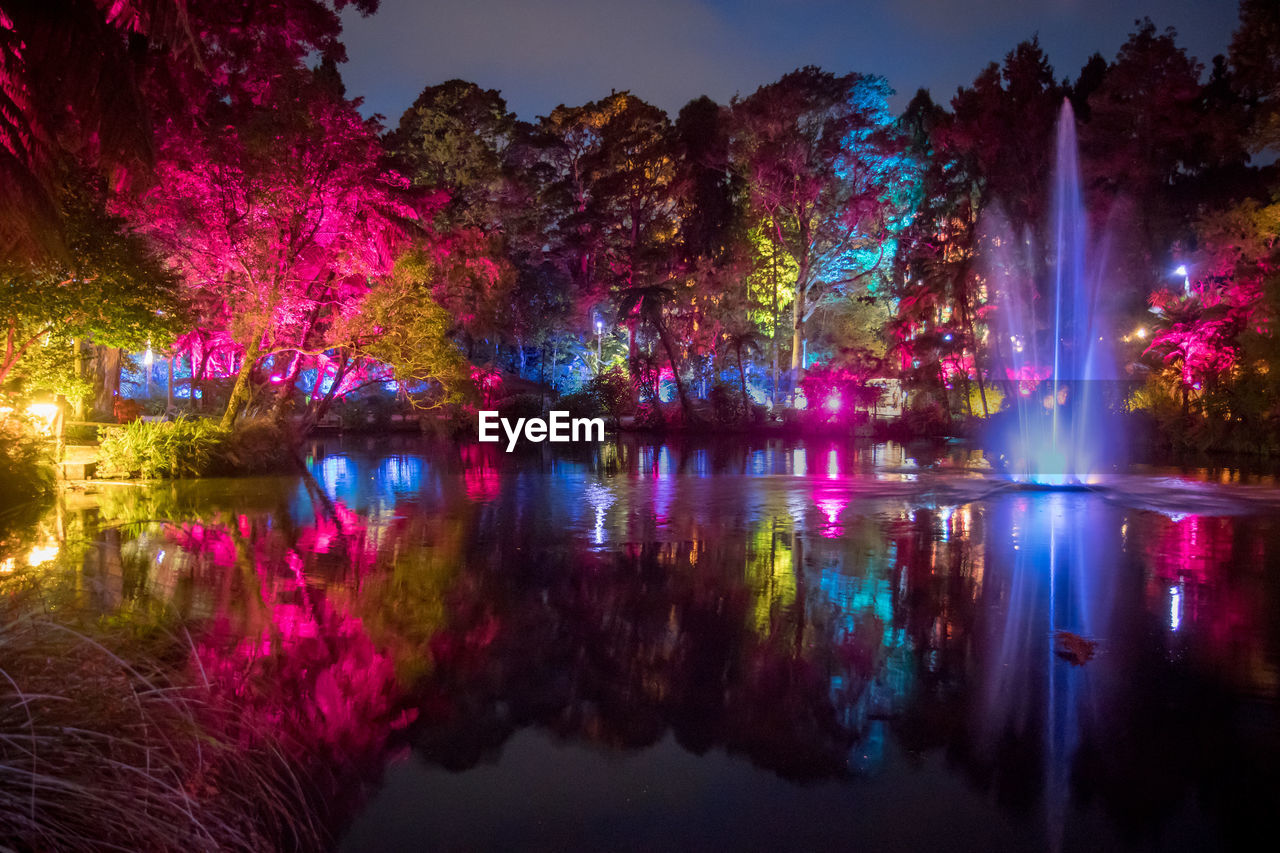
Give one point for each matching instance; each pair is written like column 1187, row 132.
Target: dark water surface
column 759, row 647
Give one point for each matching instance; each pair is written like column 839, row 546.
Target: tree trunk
column 106, row 365
column 669, row 346
column 77, row 349
column 240, row 391
column 320, row 405
column 797, row 332
column 966, row 317
column 773, row 257
column 742, row 379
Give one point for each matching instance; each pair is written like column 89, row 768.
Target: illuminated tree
column 647, row 303
column 824, row 170
column 86, row 78
column 409, row 332
column 277, row 215
column 937, row 280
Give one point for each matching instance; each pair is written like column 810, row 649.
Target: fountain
column 1053, row 343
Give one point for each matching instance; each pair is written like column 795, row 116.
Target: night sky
column 541, row 53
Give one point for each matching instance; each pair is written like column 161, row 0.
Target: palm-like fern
column 649, row 302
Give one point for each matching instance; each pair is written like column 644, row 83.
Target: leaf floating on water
column 1073, row 648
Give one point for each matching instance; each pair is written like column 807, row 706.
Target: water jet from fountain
column 1053, row 347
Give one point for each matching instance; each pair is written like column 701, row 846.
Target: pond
column 768, row 645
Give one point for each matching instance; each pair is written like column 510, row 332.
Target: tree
column 106, row 286
column 1002, row 137
column 935, row 265
column 1222, row 334
column 1255, row 65
column 824, row 169
column 71, row 80
column 708, row 191
column 747, row 339
column 1147, row 137
column 454, row 139
column 276, row 214
column 85, row 78
column 630, row 181
column 408, row 331
column 648, row 303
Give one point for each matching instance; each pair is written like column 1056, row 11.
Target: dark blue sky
column 541, row 53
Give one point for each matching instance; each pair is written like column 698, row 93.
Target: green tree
column 454, row 139
column 402, row 326
column 107, row 286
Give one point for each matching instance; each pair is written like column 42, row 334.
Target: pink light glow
column 1028, row 376
column 831, row 509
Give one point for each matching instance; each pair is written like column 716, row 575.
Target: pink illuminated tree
column 277, row 215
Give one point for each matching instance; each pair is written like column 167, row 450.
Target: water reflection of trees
column 804, row 622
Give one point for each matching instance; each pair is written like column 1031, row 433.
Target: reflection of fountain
column 1053, row 432
column 1063, row 574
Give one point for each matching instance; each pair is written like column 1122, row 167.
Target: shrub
column 195, row 447
column 649, row 416
column 926, row 417
column 367, row 412
column 612, row 392
column 726, row 403
column 187, row 447
column 80, row 433
column 126, row 410
column 258, row 446
column 26, row 469
column 580, row 404
column 521, row 406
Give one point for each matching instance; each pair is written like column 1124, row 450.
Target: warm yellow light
column 41, row 554
column 7, row 567
column 45, row 413
column 1141, row 332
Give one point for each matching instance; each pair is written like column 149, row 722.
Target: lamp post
column 1186, row 278
column 599, row 331
column 148, row 359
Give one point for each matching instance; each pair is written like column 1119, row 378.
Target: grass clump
column 193, row 447
column 186, row 447
column 97, row 753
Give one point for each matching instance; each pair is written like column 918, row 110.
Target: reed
column 105, row 745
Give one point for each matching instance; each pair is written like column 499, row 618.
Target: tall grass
column 193, row 447
column 103, row 748
column 187, row 447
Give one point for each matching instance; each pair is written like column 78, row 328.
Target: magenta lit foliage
column 277, row 216
column 488, row 381
column 1028, row 376
column 1200, row 337
column 835, row 392
column 300, row 663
